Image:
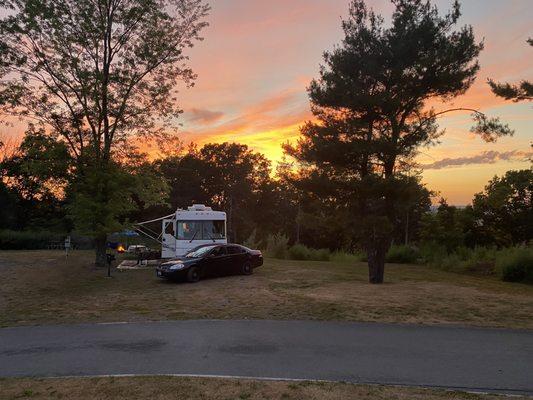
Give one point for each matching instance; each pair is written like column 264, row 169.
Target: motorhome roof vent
column 199, row 207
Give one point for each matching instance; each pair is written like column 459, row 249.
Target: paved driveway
column 451, row 357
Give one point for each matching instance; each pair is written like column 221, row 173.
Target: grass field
column 41, row 287
column 163, row 388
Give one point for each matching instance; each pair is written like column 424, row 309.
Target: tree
column 444, row 227
column 516, row 93
column 504, row 210
column 371, row 117
column 36, row 172
column 228, row 177
column 233, row 180
column 97, row 73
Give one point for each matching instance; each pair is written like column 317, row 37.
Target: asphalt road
column 436, row 356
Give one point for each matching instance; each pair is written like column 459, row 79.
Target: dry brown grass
column 163, row 388
column 41, row 287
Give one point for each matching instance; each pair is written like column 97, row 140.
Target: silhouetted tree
column 504, row 210
column 98, row 73
column 516, row 93
column 370, row 113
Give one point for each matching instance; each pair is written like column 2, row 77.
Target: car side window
column 235, row 250
column 219, row 251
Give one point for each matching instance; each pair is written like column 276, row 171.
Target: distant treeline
column 260, row 202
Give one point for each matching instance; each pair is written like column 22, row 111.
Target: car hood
column 179, row 260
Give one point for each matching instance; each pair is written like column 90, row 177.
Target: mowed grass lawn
column 42, row 287
column 166, row 388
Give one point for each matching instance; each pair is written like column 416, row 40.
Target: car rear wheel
column 247, row 269
column 193, row 275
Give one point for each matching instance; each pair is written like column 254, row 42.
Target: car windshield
column 199, row 251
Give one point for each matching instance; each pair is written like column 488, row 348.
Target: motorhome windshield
column 200, row 230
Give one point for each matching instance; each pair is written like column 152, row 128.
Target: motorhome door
column 168, row 249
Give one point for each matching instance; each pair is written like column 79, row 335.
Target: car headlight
column 177, row 267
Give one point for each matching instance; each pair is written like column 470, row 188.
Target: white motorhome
column 186, row 229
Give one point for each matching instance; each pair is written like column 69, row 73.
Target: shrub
column 479, row 260
column 516, row 265
column 299, row 252
column 277, row 245
column 342, row 256
column 402, row 255
column 27, row 240
column 319, row 254
column 252, row 242
column 302, row 252
column 449, row 262
column 432, row 251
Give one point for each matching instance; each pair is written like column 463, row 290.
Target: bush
column 450, row 262
column 302, row 252
column 277, row 245
column 516, row 265
column 402, row 255
column 431, row 251
column 252, row 242
column 27, row 240
column 319, row 254
column 299, row 252
column 480, row 260
column 342, row 256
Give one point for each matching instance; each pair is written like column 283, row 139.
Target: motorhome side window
column 200, row 230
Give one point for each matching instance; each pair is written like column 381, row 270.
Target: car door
column 236, row 258
column 217, row 261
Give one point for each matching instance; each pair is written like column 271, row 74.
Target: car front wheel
column 193, row 275
column 247, row 269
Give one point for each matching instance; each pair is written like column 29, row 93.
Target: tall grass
column 401, row 254
column 277, row 245
column 27, row 240
column 516, row 265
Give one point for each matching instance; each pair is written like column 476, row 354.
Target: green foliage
column 252, row 242
column 277, row 245
column 430, row 251
column 228, row 177
column 516, row 265
column 97, row 75
column 479, row 260
column 347, row 257
column 402, row 255
column 505, row 209
column 302, row 252
column 27, row 240
column 444, row 227
column 102, row 199
column 451, row 262
column 320, row 255
column 299, row 252
column 369, row 105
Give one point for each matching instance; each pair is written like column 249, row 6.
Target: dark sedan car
column 211, row 260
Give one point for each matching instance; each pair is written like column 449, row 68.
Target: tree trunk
column 376, row 253
column 101, row 247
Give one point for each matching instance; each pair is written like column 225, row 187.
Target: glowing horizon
column 258, row 58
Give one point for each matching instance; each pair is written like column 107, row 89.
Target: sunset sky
column 259, row 56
